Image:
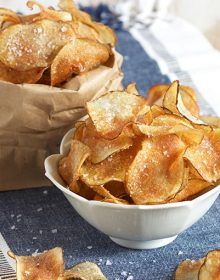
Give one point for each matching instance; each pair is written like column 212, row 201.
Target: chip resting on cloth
column 46, row 266
column 207, row 268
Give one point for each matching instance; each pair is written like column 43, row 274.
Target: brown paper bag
column 34, row 118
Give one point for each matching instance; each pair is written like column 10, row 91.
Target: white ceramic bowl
column 132, row 226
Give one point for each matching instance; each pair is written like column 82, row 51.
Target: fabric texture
column 38, row 219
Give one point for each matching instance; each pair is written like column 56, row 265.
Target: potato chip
column 78, row 56
column 102, row 191
column 112, row 168
column 69, row 166
column 47, row 266
column 192, row 188
column 205, row 157
column 210, row 270
column 18, row 77
column 111, row 112
column 8, row 17
column 181, row 108
column 210, row 120
column 106, row 34
column 84, row 271
column 83, row 190
column 131, row 88
column 170, row 98
column 170, row 120
column 189, row 270
column 85, row 31
column 49, row 13
column 157, row 172
column 156, row 93
column 41, row 47
column 100, row 147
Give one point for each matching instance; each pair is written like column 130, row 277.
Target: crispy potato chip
column 69, row 166
column 111, row 112
column 102, row 191
column 49, row 13
column 156, row 93
column 47, row 266
column 189, row 270
column 116, row 188
column 84, row 271
column 112, row 168
column 78, row 56
column 205, row 157
column 170, row 98
column 210, row 120
column 41, row 47
column 100, row 147
column 157, row 172
column 83, row 190
column 131, row 88
column 18, row 77
column 8, row 17
column 181, row 108
column 188, row 135
column 210, row 270
column 106, row 34
column 192, row 188
column 170, row 120
column 85, row 31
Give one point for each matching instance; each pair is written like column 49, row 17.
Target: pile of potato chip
column 50, row 266
column 136, row 150
column 51, row 46
column 207, row 268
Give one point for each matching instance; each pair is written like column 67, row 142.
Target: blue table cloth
column 34, row 220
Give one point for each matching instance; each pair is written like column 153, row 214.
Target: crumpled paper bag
column 34, row 118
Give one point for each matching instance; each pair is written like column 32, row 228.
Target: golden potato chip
column 69, row 166
column 205, row 157
column 189, row 270
column 85, row 31
column 157, row 172
column 116, row 188
column 188, row 135
column 47, row 266
column 78, row 56
column 41, row 47
column 210, row 120
column 181, row 108
column 106, row 34
column 100, row 147
column 84, row 271
column 112, row 168
column 112, row 111
column 170, row 120
column 49, row 13
column 8, row 17
column 156, row 93
column 102, row 191
column 192, row 188
column 84, row 190
column 170, row 98
column 210, row 270
column 17, row 77
column 131, row 88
